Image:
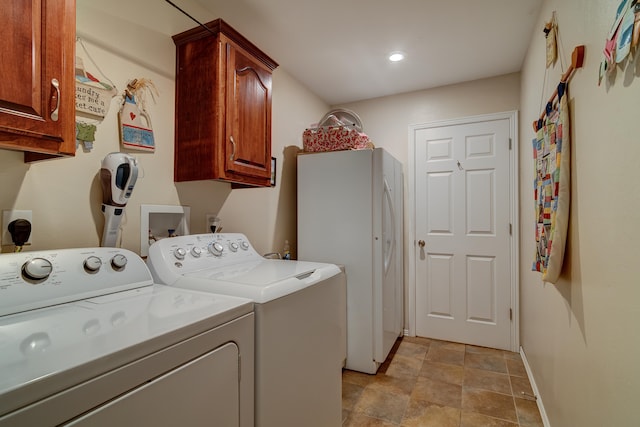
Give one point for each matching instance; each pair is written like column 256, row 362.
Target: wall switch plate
column 7, row 217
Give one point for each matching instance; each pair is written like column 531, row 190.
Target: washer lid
column 47, row 350
column 261, row 281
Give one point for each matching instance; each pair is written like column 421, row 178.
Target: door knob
column 421, row 243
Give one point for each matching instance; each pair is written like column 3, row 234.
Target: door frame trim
column 514, row 196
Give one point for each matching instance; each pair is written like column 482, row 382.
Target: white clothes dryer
column 300, row 315
column 88, row 339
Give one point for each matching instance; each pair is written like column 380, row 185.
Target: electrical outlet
column 7, row 217
column 212, row 220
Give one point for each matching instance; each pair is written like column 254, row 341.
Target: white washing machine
column 300, row 315
column 88, row 339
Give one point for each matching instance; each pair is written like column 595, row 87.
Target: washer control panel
column 173, row 257
column 30, row 280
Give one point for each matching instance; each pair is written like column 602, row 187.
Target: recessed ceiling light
column 396, row 56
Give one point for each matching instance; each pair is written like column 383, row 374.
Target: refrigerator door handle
column 389, row 254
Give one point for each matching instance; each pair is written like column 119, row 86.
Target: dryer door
column 203, row 392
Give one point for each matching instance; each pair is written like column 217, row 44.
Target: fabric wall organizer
column 551, row 154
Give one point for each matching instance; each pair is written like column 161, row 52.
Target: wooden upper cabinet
column 223, row 107
column 37, row 91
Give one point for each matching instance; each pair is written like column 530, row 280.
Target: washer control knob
column 92, row 264
column 196, row 252
column 37, row 269
column 180, row 253
column 118, row 262
column 244, row 245
column 233, row 246
column 216, row 248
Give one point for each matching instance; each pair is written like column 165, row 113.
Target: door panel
column 462, row 190
column 440, row 295
column 440, row 202
column 248, row 114
column 480, row 202
column 481, row 289
column 36, row 94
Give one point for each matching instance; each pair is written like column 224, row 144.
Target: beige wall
column 386, row 120
column 65, row 194
column 581, row 336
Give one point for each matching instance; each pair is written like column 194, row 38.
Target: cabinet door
column 37, row 93
column 248, row 117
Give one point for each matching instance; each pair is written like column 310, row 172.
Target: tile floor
column 437, row 383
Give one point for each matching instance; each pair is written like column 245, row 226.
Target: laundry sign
column 92, row 101
column 93, row 97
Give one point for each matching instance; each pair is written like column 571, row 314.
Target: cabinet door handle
column 233, row 144
column 55, row 97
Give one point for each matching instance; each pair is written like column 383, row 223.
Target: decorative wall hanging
column 93, row 99
column 551, row 183
column 551, row 149
column 623, row 35
column 136, row 132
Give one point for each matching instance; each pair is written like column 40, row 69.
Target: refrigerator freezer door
column 387, row 288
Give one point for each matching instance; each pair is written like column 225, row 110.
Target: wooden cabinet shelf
column 223, row 107
column 37, row 107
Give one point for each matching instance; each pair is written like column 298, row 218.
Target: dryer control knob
column 196, row 252
column 118, row 262
column 92, row 264
column 244, row 245
column 180, row 253
column 37, row 269
column 216, row 249
column 233, row 246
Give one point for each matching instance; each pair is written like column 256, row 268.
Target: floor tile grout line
column 513, row 397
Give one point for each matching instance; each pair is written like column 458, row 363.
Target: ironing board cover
column 551, row 149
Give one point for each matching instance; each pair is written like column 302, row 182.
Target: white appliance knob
column 118, row 261
column 216, row 248
column 233, row 246
column 196, row 251
column 92, row 264
column 180, row 253
column 244, row 245
column 37, row 269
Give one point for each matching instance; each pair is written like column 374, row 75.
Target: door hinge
column 510, row 314
column 510, row 229
column 510, row 143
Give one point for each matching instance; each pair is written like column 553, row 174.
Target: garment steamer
column 118, row 176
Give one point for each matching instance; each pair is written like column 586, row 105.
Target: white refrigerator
column 350, row 212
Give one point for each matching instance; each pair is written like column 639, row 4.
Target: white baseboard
column 534, row 387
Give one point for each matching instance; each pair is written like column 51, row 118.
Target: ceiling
column 339, row 48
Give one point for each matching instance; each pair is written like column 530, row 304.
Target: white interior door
column 463, row 262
